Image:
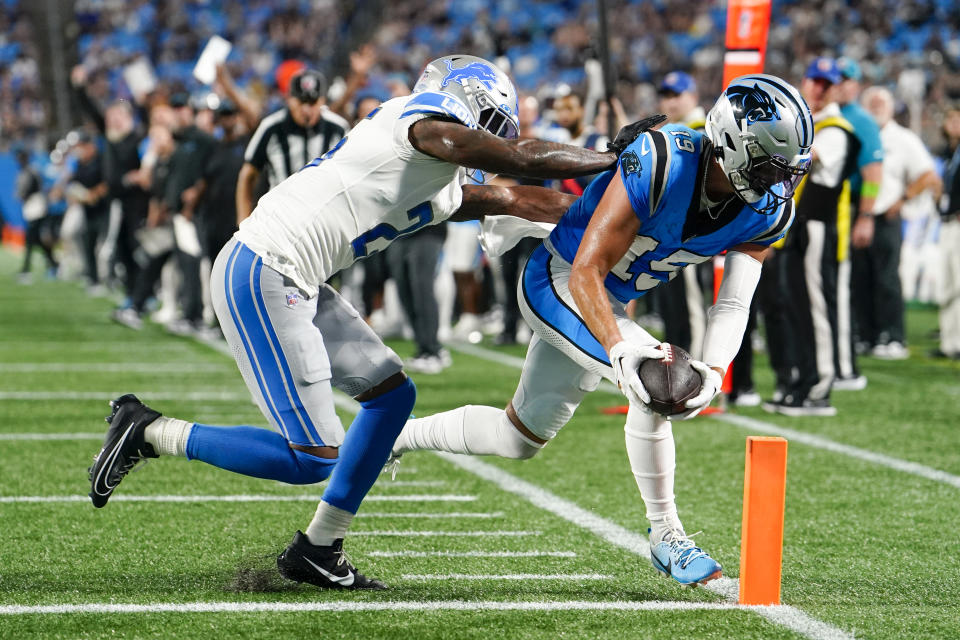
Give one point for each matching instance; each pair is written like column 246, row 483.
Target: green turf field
column 472, row 548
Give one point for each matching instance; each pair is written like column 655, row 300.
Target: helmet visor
column 497, row 122
column 773, row 175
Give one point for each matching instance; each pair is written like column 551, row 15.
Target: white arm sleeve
column 727, row 318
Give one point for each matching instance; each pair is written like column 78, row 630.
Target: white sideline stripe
column 448, row 534
column 472, row 554
column 233, row 498
column 52, row 436
column 411, row 483
column 111, row 367
column 820, row 442
column 753, row 424
column 507, row 576
column 432, row 516
column 106, row 396
column 554, row 504
column 486, row 354
column 352, row 605
column 783, row 615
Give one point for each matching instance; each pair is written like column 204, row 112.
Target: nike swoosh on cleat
column 344, row 581
column 110, row 461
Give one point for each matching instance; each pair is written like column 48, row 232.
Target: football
column 670, row 381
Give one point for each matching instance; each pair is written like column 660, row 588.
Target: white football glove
column 625, row 357
column 708, row 391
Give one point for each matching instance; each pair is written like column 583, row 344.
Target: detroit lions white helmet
column 761, row 130
column 485, row 90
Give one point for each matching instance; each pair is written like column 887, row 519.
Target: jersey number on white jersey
column 366, row 243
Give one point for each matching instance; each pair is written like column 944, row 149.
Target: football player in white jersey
column 677, row 198
column 295, row 339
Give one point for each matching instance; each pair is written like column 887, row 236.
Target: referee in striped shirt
column 288, row 139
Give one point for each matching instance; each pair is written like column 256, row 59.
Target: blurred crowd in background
column 131, row 186
column 546, row 43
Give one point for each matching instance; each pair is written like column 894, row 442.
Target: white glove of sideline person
column 625, row 357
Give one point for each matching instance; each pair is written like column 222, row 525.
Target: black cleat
column 325, row 567
column 123, row 448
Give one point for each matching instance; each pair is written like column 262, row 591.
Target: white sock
column 473, row 429
column 329, row 523
column 652, row 455
column 168, row 436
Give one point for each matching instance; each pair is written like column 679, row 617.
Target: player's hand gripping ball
column 671, row 380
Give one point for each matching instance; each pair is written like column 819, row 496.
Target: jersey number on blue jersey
column 683, row 140
column 421, row 215
column 647, row 272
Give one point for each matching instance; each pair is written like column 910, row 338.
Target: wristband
column 870, row 189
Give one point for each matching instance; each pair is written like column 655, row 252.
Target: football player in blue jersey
column 676, row 198
column 295, row 338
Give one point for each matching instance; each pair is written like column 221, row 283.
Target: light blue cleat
column 680, row 559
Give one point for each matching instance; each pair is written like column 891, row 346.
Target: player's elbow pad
column 727, row 318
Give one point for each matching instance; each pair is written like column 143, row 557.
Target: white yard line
column 232, row 498
column 352, row 605
column 480, row 515
column 178, row 368
column 783, row 615
column 106, row 396
column 52, row 436
column 754, row 425
column 472, row 554
column 386, row 484
column 507, row 576
column 448, row 534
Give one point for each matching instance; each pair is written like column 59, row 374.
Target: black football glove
column 631, row 132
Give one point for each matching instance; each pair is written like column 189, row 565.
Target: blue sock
column 367, row 445
column 256, row 452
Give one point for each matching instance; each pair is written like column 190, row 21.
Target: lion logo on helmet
column 753, row 103
column 477, row 70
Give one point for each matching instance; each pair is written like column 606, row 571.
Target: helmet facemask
column 766, row 175
column 491, row 117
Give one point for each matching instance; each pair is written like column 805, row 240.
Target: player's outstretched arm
column 612, row 229
column 536, row 204
column 478, row 149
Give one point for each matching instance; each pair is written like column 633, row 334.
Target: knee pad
column 309, row 469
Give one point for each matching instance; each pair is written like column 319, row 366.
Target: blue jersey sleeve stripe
column 779, row 227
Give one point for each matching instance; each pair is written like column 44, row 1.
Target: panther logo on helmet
column 477, row 70
column 753, row 103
